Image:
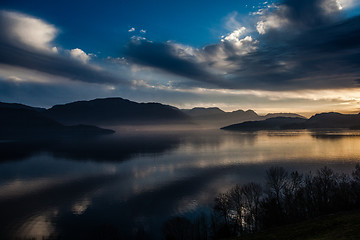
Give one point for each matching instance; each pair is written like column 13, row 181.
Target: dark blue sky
column 102, row 26
column 287, row 55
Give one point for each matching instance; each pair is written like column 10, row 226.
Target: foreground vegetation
column 285, row 198
column 340, row 226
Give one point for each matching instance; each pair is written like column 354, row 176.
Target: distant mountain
column 288, row 115
column 333, row 120
column 323, row 120
column 217, row 117
column 21, row 106
column 115, row 111
column 202, row 112
column 277, row 123
column 119, row 111
column 21, row 121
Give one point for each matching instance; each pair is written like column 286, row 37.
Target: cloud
column 346, row 4
column 26, row 42
column 79, row 54
column 165, row 56
column 235, row 35
column 26, row 30
column 305, row 44
column 142, row 31
column 273, row 21
column 297, row 16
column 137, row 38
column 131, row 29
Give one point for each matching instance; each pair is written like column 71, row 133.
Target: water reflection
column 129, row 184
column 106, row 148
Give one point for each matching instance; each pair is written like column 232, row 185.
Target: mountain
column 322, row 120
column 21, row 121
column 20, row 106
column 203, row 112
column 277, row 123
column 115, row 111
column 119, row 111
column 333, row 120
column 218, row 118
column 215, row 117
column 288, row 115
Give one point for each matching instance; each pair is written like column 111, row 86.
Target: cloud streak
column 165, row 56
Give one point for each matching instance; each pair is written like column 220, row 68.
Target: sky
column 269, row 56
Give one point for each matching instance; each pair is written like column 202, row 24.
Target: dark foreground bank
column 286, row 198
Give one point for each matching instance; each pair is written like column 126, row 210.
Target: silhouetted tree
column 286, row 198
column 325, row 182
column 356, row 184
column 201, row 227
column 236, row 200
column 252, row 193
column 276, row 180
column 178, row 228
column 222, row 210
column 294, row 196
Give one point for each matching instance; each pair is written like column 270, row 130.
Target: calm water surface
column 128, row 184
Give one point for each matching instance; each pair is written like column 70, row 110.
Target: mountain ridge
column 214, row 116
column 113, row 111
column 21, row 121
column 317, row 121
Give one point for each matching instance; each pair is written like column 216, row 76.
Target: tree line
column 286, row 197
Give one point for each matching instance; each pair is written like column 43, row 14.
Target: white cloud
column 185, row 51
column 131, row 29
column 345, row 4
column 272, row 21
column 142, row 31
column 79, row 54
column 29, row 30
column 54, row 50
column 137, row 38
column 15, row 79
column 140, row 83
column 216, row 56
column 331, row 6
column 235, row 35
column 241, row 45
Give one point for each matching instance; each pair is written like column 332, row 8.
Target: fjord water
column 128, row 184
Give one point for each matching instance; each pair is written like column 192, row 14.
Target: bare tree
column 237, row 204
column 276, row 180
column 252, row 193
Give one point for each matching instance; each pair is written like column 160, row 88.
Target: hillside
column 333, row 120
column 115, row 111
column 277, row 123
column 219, row 118
column 341, row 226
column 25, row 122
column 318, row 121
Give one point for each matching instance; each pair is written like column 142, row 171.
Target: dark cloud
column 310, row 13
column 164, row 56
column 53, row 64
column 312, row 46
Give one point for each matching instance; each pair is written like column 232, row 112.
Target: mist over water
column 129, row 183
